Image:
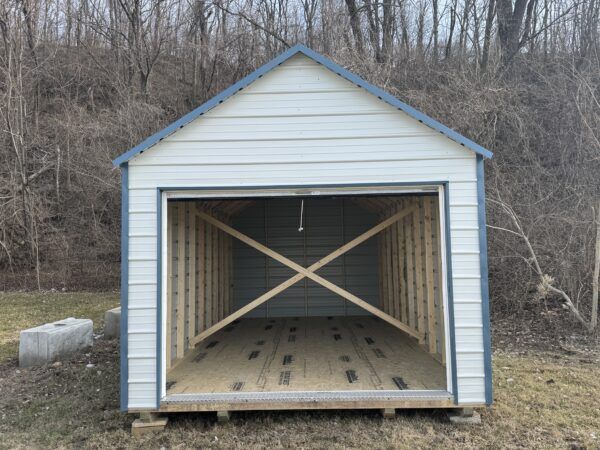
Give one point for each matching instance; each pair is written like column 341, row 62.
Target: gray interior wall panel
column 328, row 224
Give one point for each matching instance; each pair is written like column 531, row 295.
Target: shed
column 304, row 240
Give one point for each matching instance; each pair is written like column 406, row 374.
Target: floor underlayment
column 306, row 354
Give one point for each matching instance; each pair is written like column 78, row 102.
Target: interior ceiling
column 232, row 208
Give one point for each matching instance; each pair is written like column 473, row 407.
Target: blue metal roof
column 299, row 48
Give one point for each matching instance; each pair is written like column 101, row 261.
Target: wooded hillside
column 81, row 81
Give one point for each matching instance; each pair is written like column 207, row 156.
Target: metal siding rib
column 124, row 336
column 485, row 295
column 451, row 134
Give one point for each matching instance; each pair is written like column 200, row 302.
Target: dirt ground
column 544, row 398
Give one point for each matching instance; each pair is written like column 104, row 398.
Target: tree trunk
column 487, row 37
column 355, row 25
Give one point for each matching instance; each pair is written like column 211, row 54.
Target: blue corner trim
column 159, row 337
column 299, row 48
column 485, row 295
column 123, row 337
column 450, row 290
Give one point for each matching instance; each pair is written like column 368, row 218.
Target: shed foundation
column 54, row 341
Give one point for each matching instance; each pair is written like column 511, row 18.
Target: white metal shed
column 304, row 240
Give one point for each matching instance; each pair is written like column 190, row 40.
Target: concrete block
column 388, row 413
column 54, row 341
column 112, row 323
column 223, row 416
column 464, row 417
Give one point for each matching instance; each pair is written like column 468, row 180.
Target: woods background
column 81, row 81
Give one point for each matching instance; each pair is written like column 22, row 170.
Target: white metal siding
column 302, row 124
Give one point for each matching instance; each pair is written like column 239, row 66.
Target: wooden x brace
column 305, row 272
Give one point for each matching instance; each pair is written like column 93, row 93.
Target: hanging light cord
column 301, row 214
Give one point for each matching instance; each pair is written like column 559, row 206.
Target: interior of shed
column 314, row 294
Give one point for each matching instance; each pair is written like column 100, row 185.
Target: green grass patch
column 19, row 311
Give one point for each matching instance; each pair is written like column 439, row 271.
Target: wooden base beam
column 148, row 423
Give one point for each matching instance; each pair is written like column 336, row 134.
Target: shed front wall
column 301, row 124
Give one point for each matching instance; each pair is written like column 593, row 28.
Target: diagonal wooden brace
column 306, row 272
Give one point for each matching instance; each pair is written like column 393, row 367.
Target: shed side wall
column 302, row 124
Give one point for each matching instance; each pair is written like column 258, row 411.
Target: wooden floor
column 306, row 354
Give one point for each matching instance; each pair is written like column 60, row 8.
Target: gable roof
column 299, row 48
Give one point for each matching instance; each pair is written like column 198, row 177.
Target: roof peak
column 278, row 60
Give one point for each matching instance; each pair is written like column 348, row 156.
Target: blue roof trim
column 388, row 98
column 299, row 48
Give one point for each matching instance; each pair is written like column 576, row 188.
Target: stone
column 466, row 416
column 388, row 413
column 112, row 323
column 223, row 416
column 54, row 341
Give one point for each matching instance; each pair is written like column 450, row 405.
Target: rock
column 54, row 341
column 471, row 418
column 112, row 323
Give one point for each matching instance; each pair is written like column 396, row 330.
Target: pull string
column 301, row 216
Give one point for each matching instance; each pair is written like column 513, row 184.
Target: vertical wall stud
column 180, row 281
column 201, row 276
column 395, row 268
column 410, row 268
column 419, row 268
column 171, row 211
column 209, row 276
column 192, row 271
column 429, row 281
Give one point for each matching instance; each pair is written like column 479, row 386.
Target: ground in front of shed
column 543, row 399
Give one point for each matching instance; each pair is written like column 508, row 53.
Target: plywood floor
column 306, row 354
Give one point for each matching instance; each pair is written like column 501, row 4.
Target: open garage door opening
column 326, row 294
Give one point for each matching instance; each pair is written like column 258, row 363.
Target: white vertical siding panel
column 302, row 124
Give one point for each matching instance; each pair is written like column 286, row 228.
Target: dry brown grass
column 542, row 400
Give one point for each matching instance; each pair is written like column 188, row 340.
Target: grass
column 542, row 400
column 19, row 311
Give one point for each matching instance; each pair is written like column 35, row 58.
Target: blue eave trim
column 123, row 334
column 485, row 295
column 388, row 98
column 299, row 48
